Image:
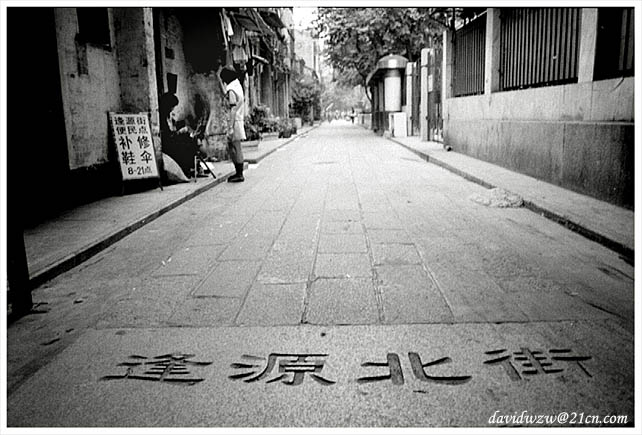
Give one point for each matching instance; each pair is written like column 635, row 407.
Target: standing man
column 236, row 131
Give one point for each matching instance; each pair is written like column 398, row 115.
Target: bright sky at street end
column 303, row 17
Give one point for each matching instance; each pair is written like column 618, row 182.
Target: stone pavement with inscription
column 346, row 283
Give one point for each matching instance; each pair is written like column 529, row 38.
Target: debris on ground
column 497, row 197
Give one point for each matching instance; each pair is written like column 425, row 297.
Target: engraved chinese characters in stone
column 534, row 362
column 395, row 374
column 172, row 367
column 290, row 368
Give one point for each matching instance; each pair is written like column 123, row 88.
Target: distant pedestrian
column 236, row 131
column 353, row 114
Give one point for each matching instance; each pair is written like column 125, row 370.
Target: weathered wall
column 133, row 28
column 173, row 56
column 90, row 89
column 208, row 86
column 190, row 84
column 579, row 136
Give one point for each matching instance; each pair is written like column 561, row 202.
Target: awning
column 264, row 28
column 246, row 22
column 272, row 19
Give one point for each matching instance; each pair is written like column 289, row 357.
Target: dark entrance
column 37, row 162
column 37, row 159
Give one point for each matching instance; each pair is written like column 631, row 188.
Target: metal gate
column 434, row 115
column 416, row 97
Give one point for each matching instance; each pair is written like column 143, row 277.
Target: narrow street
column 346, row 282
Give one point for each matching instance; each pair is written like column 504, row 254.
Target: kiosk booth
column 386, row 84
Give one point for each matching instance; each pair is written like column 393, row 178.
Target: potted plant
column 253, row 125
column 270, row 127
column 285, row 128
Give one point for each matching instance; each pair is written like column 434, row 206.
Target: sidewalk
column 58, row 245
column 605, row 223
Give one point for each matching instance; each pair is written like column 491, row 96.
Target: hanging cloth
column 225, row 28
column 238, row 43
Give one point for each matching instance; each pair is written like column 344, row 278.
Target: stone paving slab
column 229, row 279
column 350, row 376
column 342, row 302
column 341, row 227
column 342, row 243
column 349, row 265
column 410, row 295
column 395, row 253
column 273, row 304
column 190, row 260
column 286, row 267
column 388, row 236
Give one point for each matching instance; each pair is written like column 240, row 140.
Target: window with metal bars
column 614, row 46
column 469, row 51
column 539, row 47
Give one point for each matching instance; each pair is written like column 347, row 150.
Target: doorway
column 37, row 156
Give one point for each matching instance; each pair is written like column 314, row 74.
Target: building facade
column 548, row 92
column 100, row 60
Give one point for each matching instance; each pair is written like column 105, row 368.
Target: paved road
column 371, row 274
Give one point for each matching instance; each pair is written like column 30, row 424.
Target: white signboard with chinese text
column 134, row 145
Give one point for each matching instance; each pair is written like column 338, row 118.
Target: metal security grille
column 614, row 50
column 469, row 58
column 540, row 46
column 416, row 98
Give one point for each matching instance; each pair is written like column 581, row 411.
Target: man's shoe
column 236, row 178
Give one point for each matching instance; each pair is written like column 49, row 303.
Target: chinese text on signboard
column 134, row 145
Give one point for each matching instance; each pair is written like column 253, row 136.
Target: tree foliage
column 343, row 98
column 306, row 94
column 355, row 38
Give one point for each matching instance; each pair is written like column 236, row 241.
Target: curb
column 82, row 255
column 261, row 157
column 625, row 252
